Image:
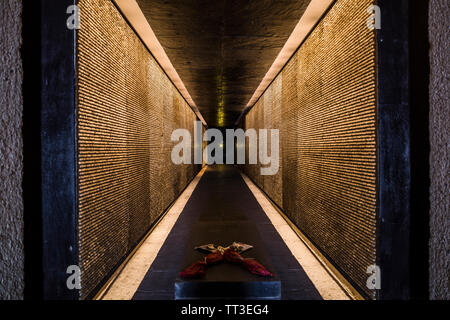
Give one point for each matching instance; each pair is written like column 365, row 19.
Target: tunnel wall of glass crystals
column 324, row 104
column 128, row 109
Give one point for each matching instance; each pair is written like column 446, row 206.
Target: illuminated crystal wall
column 324, row 103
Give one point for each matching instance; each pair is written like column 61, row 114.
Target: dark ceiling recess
column 222, row 49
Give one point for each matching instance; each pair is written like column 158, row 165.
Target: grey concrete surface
column 439, row 264
column 11, row 204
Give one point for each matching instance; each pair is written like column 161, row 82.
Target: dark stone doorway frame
column 50, row 149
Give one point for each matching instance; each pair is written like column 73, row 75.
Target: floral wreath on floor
column 231, row 254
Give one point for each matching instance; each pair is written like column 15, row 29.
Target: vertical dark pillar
column 420, row 147
column 394, row 150
column 58, row 156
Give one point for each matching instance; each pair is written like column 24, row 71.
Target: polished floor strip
column 222, row 209
column 126, row 285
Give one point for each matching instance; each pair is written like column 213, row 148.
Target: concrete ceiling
column 222, row 48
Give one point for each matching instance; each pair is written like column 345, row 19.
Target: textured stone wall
column 324, row 103
column 11, row 205
column 439, row 264
column 128, row 109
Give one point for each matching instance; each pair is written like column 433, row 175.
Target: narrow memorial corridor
column 190, row 150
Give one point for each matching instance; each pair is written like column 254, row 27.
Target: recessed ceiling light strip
column 133, row 13
column 313, row 13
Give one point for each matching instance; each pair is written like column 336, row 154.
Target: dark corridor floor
column 222, row 199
